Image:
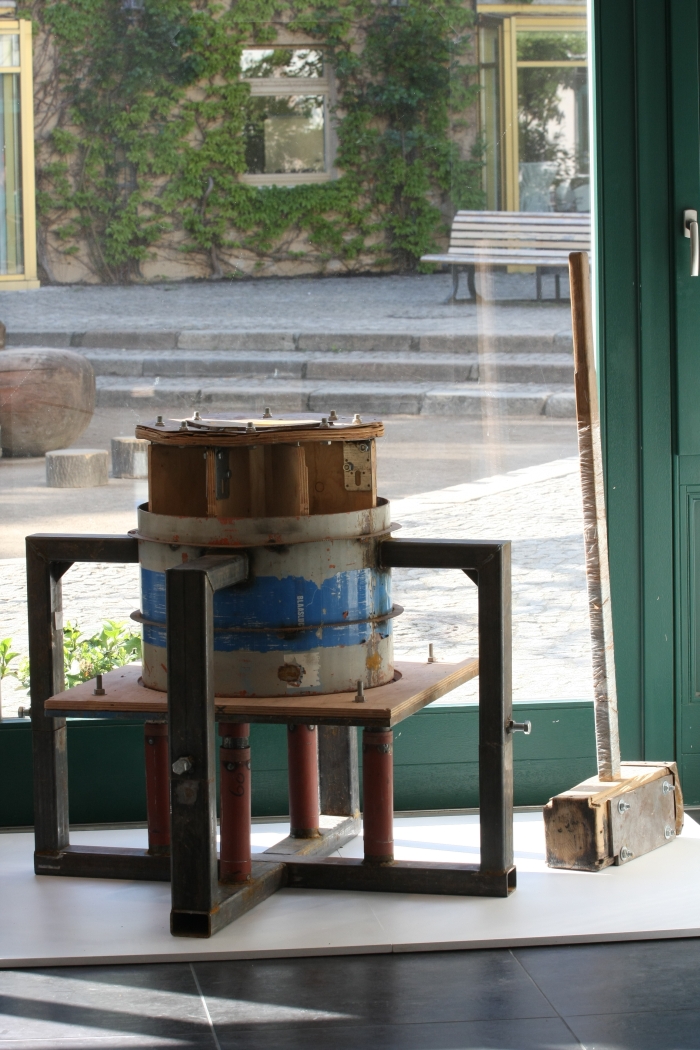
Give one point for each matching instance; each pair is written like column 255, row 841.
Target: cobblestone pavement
column 538, row 508
column 414, row 304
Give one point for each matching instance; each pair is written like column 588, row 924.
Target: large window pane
column 11, row 245
column 285, row 134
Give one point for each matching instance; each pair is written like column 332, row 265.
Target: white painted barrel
column 315, row 615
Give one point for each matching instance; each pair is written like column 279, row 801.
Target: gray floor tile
column 528, row 1034
column 110, row 1006
column 405, row 988
column 676, row 1030
column 616, row 978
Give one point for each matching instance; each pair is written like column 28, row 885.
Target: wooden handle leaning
column 595, row 529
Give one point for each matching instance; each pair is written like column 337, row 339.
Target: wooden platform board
column 387, row 705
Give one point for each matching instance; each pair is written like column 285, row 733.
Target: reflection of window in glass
column 285, row 135
column 11, row 245
column 281, row 62
column 9, row 49
column 553, row 141
column 490, row 114
column 286, row 128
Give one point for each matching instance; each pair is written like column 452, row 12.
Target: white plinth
column 59, row 921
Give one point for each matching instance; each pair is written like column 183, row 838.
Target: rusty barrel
column 315, row 615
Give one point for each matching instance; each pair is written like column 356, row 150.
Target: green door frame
column 647, row 104
column 635, row 285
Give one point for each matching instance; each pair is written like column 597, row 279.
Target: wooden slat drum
column 315, row 615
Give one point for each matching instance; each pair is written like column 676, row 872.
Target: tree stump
column 77, row 468
column 129, row 457
column 47, row 398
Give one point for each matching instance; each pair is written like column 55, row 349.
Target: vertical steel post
column 157, row 786
column 495, row 712
column 378, row 794
column 235, row 794
column 189, row 599
column 302, row 752
column 49, row 742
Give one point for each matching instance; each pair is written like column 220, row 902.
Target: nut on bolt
column 182, row 765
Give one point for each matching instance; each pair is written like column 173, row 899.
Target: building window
column 534, row 106
column 287, row 116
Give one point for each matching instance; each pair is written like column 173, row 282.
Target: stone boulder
column 47, row 399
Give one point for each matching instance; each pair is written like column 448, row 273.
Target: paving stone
column 277, row 341
column 127, row 340
column 372, row 398
column 513, row 399
column 376, row 342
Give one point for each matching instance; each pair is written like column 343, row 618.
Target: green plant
column 142, row 132
column 113, row 646
column 83, row 658
column 6, row 658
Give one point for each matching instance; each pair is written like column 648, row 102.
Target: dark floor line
column 212, row 1029
column 546, row 998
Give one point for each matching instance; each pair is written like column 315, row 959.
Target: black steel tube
column 189, row 591
column 49, row 556
column 487, row 564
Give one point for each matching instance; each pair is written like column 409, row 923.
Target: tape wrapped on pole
column 594, row 522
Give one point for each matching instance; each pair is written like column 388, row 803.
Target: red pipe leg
column 234, row 856
column 378, row 794
column 302, row 751
column 157, row 786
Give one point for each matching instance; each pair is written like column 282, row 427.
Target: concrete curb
column 294, row 395
column 281, row 341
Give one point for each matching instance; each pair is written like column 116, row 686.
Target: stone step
column 243, row 395
column 459, row 342
column 347, row 366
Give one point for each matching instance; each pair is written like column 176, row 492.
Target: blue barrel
column 315, row 615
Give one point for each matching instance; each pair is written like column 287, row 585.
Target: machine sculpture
column 265, row 559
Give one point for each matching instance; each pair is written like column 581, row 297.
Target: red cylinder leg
column 234, row 862
column 302, row 751
column 378, row 794
column 157, row 786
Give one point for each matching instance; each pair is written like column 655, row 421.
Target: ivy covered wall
column 140, row 125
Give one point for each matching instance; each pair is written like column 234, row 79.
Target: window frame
column 261, row 87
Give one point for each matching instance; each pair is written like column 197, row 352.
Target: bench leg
column 452, row 298
column 471, row 282
column 538, row 280
column 557, row 285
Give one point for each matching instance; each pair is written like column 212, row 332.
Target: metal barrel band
column 396, row 610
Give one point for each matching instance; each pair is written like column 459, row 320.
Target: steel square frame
column 201, row 904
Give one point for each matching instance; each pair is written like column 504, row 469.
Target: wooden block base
column 599, row 823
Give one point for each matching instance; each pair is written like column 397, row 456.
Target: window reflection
column 285, row 134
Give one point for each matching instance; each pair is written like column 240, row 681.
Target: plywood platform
column 387, row 705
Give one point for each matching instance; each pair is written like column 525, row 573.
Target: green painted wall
column 435, row 763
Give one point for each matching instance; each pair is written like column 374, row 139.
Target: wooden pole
column 595, row 529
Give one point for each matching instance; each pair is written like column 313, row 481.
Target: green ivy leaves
column 150, row 143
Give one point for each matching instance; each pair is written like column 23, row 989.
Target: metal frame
column 200, row 903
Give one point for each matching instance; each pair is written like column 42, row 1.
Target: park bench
column 513, row 238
